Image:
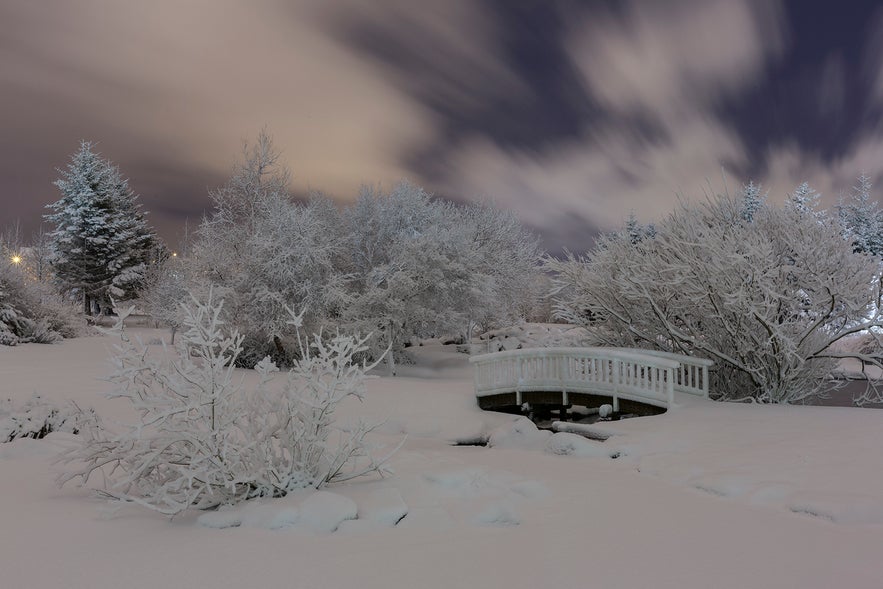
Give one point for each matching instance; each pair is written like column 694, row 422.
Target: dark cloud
column 571, row 113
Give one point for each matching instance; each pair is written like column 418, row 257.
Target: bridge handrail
column 596, row 352
column 682, row 358
column 643, row 375
column 691, row 377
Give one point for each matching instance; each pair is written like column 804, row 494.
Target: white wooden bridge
column 587, row 376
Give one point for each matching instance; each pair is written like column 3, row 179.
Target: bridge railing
column 619, row 372
column 692, row 375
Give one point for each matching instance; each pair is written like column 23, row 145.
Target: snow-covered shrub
column 203, row 440
column 37, row 417
column 30, row 312
column 766, row 298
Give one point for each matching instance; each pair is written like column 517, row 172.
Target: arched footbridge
column 624, row 377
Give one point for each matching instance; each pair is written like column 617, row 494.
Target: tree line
column 769, row 292
column 398, row 264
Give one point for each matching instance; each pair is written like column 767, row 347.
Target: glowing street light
column 16, row 259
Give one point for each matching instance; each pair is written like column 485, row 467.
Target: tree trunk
column 87, row 304
column 390, row 363
column 280, row 349
column 390, row 358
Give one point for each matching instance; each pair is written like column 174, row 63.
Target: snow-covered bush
column 766, row 298
column 203, row 440
column 37, row 417
column 30, row 312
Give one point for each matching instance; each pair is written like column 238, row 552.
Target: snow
column 706, row 495
column 568, row 444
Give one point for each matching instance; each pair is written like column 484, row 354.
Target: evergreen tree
column 752, row 200
column 633, row 229
column 860, row 219
column 635, row 232
column 101, row 239
column 805, row 201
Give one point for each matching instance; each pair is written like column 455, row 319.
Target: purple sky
column 571, row 113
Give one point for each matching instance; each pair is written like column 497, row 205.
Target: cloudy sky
column 571, row 113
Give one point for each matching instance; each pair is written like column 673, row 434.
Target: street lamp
column 16, row 259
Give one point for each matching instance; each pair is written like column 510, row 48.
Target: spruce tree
column 805, row 201
column 101, row 240
column 860, row 219
column 752, row 200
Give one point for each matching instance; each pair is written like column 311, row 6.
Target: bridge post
column 617, row 368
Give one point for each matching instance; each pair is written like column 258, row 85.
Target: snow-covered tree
column 265, row 253
column 101, row 239
column 165, row 288
column 31, row 311
column 423, row 268
column 635, row 231
column 766, row 300
column 507, row 283
column 202, row 440
column 403, row 279
column 753, row 200
column 398, row 265
column 805, row 201
column 860, row 219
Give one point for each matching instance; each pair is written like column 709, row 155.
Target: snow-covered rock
column 568, row 444
column 521, row 433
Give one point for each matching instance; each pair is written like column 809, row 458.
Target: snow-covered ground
column 707, row 495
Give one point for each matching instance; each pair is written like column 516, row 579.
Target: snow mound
column 324, row 511
column 320, row 511
column 521, row 434
column 383, row 506
column 223, row 518
column 567, row 444
column 270, row 515
column 498, row 514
